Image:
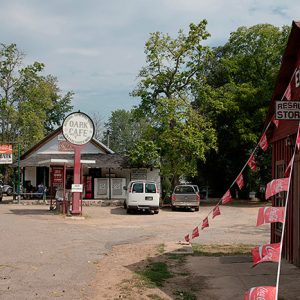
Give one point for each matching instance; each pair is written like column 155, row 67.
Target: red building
column 283, row 139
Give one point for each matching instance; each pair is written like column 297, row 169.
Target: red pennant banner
column 187, row 238
column 270, row 215
column 288, row 168
column 265, row 253
column 216, row 211
column 275, row 122
column 227, row 197
column 261, row 293
column 263, row 143
column 288, row 93
column 205, row 223
column 298, row 140
column 195, row 233
column 252, row 163
column 240, row 181
column 276, row 186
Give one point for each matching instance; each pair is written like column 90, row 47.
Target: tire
column 128, row 210
column 156, row 212
column 197, row 208
column 125, row 205
column 1, row 199
column 173, row 208
column 9, row 192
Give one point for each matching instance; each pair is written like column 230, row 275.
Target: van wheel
column 156, row 211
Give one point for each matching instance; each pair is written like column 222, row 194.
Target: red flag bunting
column 261, row 293
column 187, row 238
column 276, row 186
column 263, row 143
column 216, row 211
column 252, row 163
column 195, row 233
column 270, row 215
column 240, row 181
column 275, row 122
column 265, row 253
column 227, row 197
column 298, row 139
column 205, row 223
column 288, row 168
column 288, row 92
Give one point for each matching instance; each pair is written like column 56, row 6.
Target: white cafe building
column 103, row 172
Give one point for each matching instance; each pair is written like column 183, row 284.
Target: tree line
column 202, row 109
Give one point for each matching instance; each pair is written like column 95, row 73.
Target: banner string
column 285, row 215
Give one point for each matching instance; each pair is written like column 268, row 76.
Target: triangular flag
column 265, row 253
column 252, row 163
column 261, row 293
column 275, row 122
column 205, row 223
column 263, row 143
column 240, row 181
column 298, row 139
column 227, row 197
column 270, row 215
column 216, row 211
column 195, row 233
column 187, row 238
column 288, row 168
column 276, row 186
column 288, row 92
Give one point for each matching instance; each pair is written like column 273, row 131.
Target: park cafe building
column 282, row 138
column 103, row 172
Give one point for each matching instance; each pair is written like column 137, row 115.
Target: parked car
column 142, row 195
column 1, row 193
column 6, row 189
column 185, row 196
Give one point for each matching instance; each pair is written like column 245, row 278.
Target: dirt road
column 46, row 256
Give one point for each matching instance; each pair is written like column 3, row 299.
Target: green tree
column 240, row 80
column 31, row 104
column 124, row 130
column 173, row 66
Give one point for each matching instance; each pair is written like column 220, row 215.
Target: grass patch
column 156, row 273
column 184, row 295
column 161, row 248
column 181, row 258
column 222, row 250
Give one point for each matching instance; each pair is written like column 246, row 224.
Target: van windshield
column 150, row 188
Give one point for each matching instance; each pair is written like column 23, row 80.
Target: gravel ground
column 45, row 256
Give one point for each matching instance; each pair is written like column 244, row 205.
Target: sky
column 95, row 48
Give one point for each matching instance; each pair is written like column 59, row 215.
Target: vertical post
column 76, row 195
column 19, row 174
column 109, row 184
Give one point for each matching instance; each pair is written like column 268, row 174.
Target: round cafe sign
column 78, row 128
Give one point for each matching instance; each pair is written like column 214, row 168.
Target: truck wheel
column 9, row 192
column 197, row 208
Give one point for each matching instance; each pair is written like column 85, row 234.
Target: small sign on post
column 77, row 188
column 287, row 110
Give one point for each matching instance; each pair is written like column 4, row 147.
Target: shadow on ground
column 33, row 212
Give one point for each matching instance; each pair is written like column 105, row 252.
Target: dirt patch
column 126, row 273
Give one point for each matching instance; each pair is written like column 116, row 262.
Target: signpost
column 78, row 129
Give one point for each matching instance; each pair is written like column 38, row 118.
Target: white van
column 142, row 195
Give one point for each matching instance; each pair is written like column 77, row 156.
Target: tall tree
column 173, row 66
column 30, row 103
column 240, row 80
column 124, row 130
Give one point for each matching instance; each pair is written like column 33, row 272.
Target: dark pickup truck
column 185, row 196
